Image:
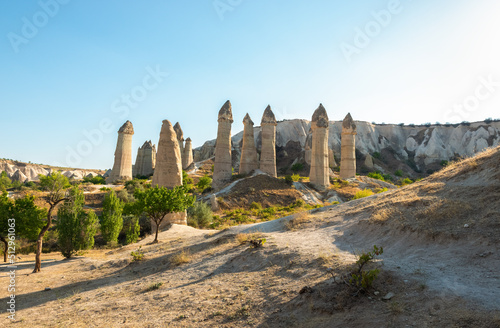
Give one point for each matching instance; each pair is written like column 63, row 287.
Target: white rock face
column 423, row 144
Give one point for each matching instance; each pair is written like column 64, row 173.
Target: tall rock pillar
column 268, row 149
column 348, row 149
column 248, row 160
column 187, row 156
column 168, row 169
column 180, row 137
column 222, row 165
column 122, row 167
column 319, row 174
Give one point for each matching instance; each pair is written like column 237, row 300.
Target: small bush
column 200, row 215
column 154, row 286
column 132, row 229
column 295, row 177
column 137, row 255
column 361, row 279
column 405, row 181
column 398, row 173
column 204, row 183
column 256, row 206
column 387, row 177
column 377, row 155
column 297, row 167
column 376, row 175
column 363, row 193
column 444, row 163
column 97, row 180
column 288, row 179
column 181, row 258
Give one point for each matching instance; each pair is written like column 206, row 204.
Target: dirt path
column 466, row 268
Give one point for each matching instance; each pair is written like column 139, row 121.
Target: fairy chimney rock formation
column 348, row 149
column 187, row 156
column 122, row 167
column 145, row 160
column 222, row 166
column 248, row 160
column 180, row 136
column 319, row 174
column 168, row 169
column 268, row 149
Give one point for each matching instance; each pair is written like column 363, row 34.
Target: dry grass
column 182, row 257
column 297, row 222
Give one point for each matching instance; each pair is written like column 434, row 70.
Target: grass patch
column 363, row 193
column 181, row 258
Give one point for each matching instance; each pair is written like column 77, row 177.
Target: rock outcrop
column 168, row 168
column 187, row 156
column 122, row 167
column 348, row 149
column 145, row 160
column 319, row 174
column 248, row 161
column 223, row 161
column 268, row 148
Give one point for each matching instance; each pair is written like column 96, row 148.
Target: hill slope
column 441, row 274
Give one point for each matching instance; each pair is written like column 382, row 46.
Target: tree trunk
column 157, row 228
column 5, row 248
column 39, row 241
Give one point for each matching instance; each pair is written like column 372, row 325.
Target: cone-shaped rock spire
column 222, row 166
column 348, row 149
column 168, row 170
column 248, row 160
column 319, row 174
column 122, row 167
column 187, row 156
column 268, row 149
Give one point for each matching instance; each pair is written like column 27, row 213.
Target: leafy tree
column 157, row 202
column 204, row 183
column 5, row 214
column 5, row 181
column 132, row 229
column 187, row 181
column 56, row 185
column 111, row 219
column 76, row 227
column 23, row 217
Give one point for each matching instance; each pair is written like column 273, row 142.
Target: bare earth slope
column 442, row 273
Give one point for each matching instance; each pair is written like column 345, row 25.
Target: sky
column 73, row 71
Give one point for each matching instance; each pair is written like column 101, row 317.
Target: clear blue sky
column 68, row 69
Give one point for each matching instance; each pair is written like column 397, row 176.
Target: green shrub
column 204, row 183
column 200, row 215
column 111, row 218
column 256, row 206
column 405, row 181
column 361, row 279
column 444, row 163
column 187, row 181
column 132, row 229
column 295, row 177
column 138, row 254
column 376, row 175
column 95, row 180
column 76, row 228
column 398, row 173
column 288, row 179
column 297, row 167
column 387, row 177
column 377, row 155
column 363, row 193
